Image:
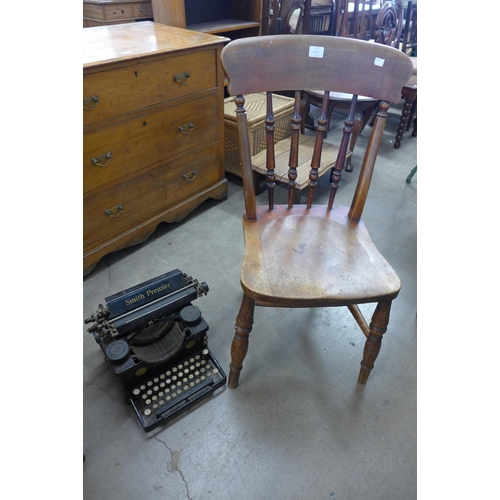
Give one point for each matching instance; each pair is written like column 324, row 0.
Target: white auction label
column 316, row 51
column 379, row 62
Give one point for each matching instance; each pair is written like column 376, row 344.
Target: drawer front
column 111, row 93
column 118, row 11
column 120, row 150
column 130, row 203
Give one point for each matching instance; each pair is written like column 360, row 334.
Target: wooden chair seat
column 344, row 265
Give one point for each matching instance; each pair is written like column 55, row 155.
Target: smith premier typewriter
column 155, row 340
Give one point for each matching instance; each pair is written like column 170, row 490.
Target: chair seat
column 344, row 266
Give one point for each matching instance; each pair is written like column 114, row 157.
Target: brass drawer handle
column 182, row 78
column 98, row 159
column 190, row 175
column 90, row 102
column 187, row 128
column 114, row 211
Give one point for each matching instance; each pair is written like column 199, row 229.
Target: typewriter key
column 162, row 376
column 197, row 381
column 168, row 373
column 136, row 392
column 191, row 384
column 174, row 369
column 215, row 371
column 161, row 402
column 149, row 383
column 154, row 398
column 155, row 406
column 168, row 381
column 186, row 387
column 162, row 384
column 147, row 412
column 142, row 387
column 156, row 380
column 161, row 394
column 148, row 401
column 144, row 396
column 179, row 383
column 149, row 392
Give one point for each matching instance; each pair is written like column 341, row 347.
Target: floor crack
column 173, row 465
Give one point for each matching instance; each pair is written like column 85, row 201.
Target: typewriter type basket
column 255, row 105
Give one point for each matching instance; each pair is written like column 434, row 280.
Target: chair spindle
column 294, row 148
column 318, row 146
column 270, row 160
column 336, row 174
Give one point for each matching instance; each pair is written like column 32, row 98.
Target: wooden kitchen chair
column 310, row 255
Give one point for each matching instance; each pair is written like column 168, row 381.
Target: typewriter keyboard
column 175, row 388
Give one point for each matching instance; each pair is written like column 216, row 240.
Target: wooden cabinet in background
column 106, row 12
column 230, row 18
column 153, row 136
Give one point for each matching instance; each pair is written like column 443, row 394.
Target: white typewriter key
column 168, row 373
column 191, row 384
column 144, row 396
column 215, row 371
column 192, row 367
column 197, row 381
column 162, row 376
column 154, row 398
column 168, row 398
column 168, row 381
column 179, row 383
column 161, row 394
column 196, row 372
column 202, row 370
column 197, row 364
column 162, row 384
column 149, row 383
column 186, row 387
column 204, row 352
column 161, row 402
column 148, row 401
column 191, row 376
column 209, row 373
column 185, row 379
column 156, row 380
column 142, row 387
column 191, row 360
column 136, row 392
column 167, row 390
column 156, row 388
column 186, row 371
column 203, row 377
column 179, row 367
column 149, row 392
column 197, row 356
column 174, row 369
column 173, row 387
column 186, row 363
column 155, row 406
column 147, row 412
column 174, row 378
column 179, row 392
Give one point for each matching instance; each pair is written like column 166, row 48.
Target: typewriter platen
column 155, row 340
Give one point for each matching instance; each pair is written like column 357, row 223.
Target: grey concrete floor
column 298, row 426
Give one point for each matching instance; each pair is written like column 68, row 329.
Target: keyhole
column 135, row 73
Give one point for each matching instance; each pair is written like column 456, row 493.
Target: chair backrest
column 321, row 19
column 389, row 23
column 409, row 35
column 280, row 62
column 354, row 19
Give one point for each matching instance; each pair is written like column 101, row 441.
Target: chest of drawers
column 153, row 136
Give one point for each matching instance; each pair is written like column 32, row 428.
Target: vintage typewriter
column 155, row 340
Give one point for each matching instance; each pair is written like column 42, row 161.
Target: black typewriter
column 155, row 340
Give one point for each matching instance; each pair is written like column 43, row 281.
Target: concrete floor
column 298, row 426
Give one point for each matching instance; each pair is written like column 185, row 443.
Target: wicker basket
column 255, row 104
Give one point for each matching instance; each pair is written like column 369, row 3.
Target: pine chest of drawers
column 153, row 131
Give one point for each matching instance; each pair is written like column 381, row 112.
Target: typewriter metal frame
column 155, row 341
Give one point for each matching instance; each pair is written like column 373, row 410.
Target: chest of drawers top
column 125, row 42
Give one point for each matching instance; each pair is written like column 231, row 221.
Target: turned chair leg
column 239, row 347
column 378, row 327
